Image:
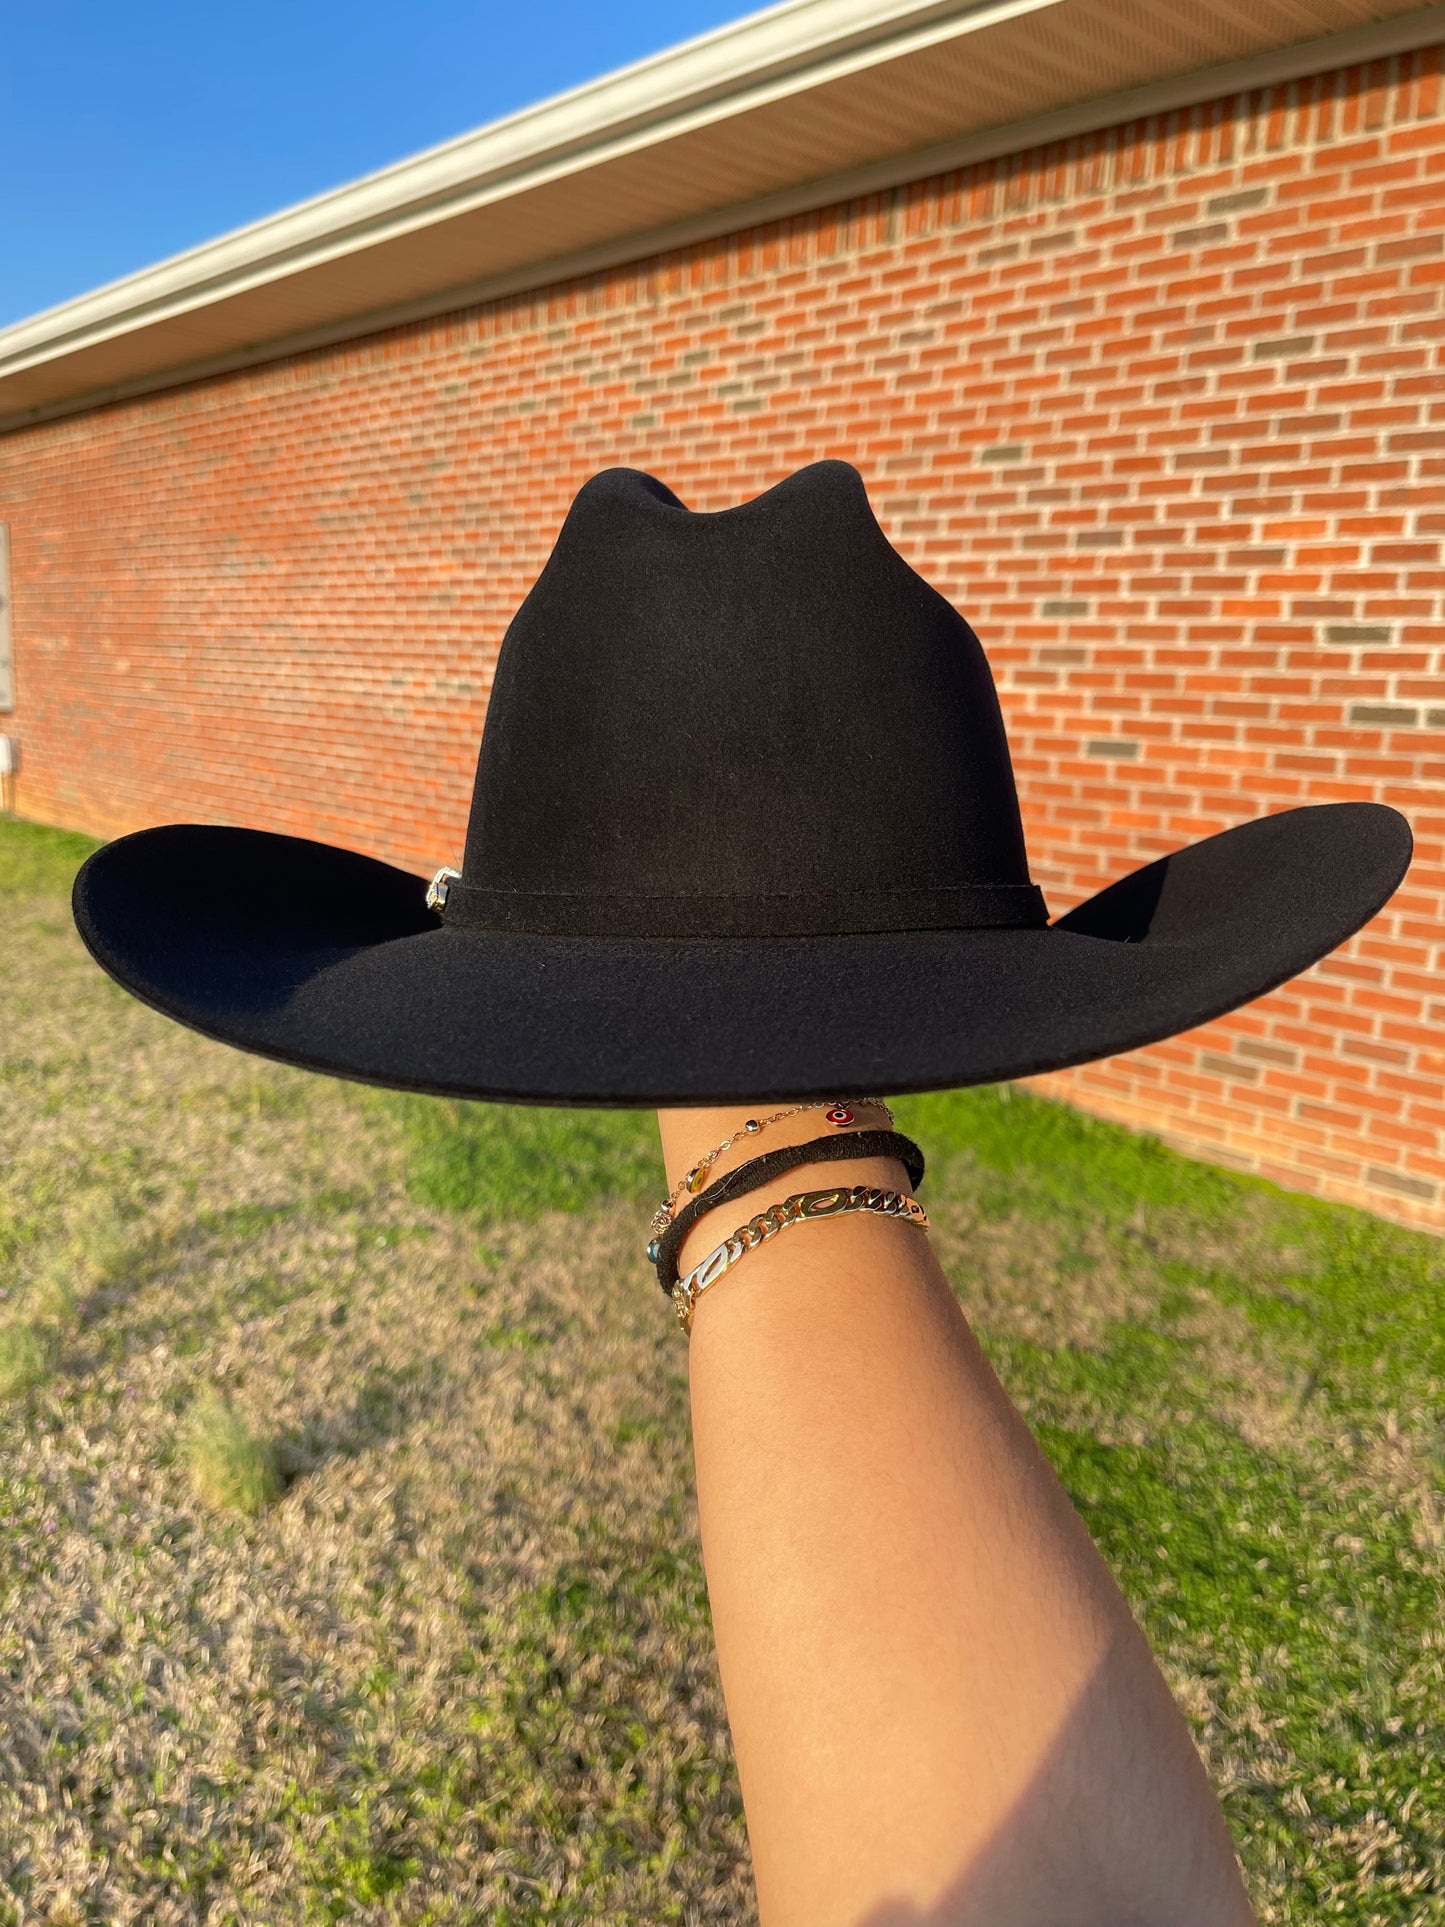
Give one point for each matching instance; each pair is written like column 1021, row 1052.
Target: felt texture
column 776, row 1164
column 733, row 768
column 755, row 723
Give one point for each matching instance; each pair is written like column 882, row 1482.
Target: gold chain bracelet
column 840, row 1112
column 798, row 1209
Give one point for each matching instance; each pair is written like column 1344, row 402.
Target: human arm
column 941, row 1706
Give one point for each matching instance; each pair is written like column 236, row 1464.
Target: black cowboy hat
column 744, row 827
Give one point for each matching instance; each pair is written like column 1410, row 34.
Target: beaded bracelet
column 763, row 1170
column 801, row 1208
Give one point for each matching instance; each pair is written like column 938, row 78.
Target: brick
column 1400, row 1181
column 1198, row 237
column 1050, row 243
column 1236, row 203
column 1267, row 1053
column 1227, row 1066
column 1282, row 346
column 1359, row 632
column 1390, row 715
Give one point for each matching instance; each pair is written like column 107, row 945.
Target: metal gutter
column 762, row 58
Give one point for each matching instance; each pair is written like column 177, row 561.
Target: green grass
column 38, row 861
column 1356, row 1302
column 436, row 1538
column 231, row 1469
column 28, row 1348
column 502, row 1163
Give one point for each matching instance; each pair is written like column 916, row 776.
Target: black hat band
column 757, row 913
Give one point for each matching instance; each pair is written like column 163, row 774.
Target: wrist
column 690, row 1136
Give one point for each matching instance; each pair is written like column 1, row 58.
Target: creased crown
column 757, row 721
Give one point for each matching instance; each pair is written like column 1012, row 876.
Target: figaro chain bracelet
column 839, row 1112
column 798, row 1209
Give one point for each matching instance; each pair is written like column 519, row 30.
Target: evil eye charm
column 840, row 1114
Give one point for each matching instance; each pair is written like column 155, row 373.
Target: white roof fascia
column 763, row 58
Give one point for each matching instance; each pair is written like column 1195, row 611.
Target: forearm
column 936, row 1692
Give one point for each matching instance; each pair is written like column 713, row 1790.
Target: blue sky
column 131, row 131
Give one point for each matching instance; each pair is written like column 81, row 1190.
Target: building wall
column 1160, row 409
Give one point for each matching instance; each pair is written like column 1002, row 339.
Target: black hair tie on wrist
column 762, row 1170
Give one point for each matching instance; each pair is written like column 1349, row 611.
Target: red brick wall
column 1161, row 409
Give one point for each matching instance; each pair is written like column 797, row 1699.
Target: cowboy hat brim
column 322, row 958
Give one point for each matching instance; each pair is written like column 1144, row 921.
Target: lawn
column 350, row 1568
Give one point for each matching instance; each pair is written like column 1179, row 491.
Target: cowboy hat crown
column 755, row 723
